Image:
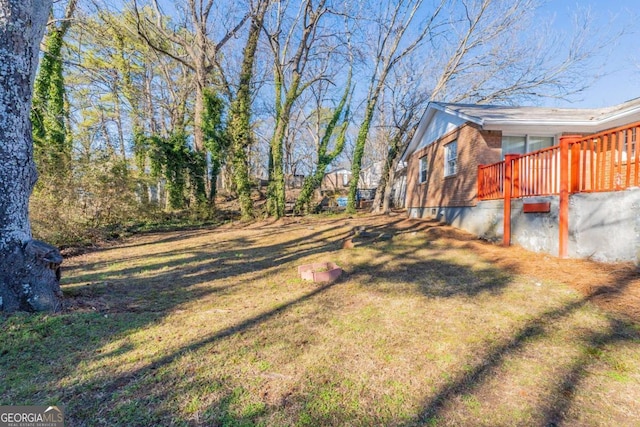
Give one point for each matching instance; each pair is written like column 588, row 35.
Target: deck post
column 515, row 178
column 480, row 190
column 506, row 233
column 565, row 187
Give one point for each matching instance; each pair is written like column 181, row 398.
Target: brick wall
column 334, row 182
column 475, row 147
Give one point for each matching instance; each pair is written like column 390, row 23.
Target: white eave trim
column 599, row 123
column 432, row 107
column 445, row 109
column 492, row 125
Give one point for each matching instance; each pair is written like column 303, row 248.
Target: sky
column 620, row 64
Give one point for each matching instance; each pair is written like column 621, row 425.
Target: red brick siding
column 333, row 182
column 475, row 147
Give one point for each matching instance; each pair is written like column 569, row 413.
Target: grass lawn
column 427, row 326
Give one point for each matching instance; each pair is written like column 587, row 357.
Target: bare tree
column 476, row 58
column 480, row 60
column 197, row 51
column 28, row 279
column 406, row 97
column 396, row 38
column 293, row 54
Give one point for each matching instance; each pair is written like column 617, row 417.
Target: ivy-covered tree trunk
column 312, row 182
column 358, row 154
column 276, row 191
column 172, row 159
column 29, row 270
column 286, row 94
column 48, row 114
column 215, row 138
column 200, row 192
column 239, row 121
column 240, row 135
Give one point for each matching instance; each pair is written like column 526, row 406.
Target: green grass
column 213, row 327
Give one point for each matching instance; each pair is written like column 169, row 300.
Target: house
column 336, row 181
column 370, row 176
column 293, row 180
column 449, row 177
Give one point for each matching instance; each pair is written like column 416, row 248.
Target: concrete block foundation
column 602, row 226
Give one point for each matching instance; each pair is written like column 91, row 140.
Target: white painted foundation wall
column 602, row 226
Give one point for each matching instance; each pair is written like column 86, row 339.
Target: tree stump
column 30, row 277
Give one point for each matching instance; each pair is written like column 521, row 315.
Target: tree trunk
column 381, row 190
column 396, row 147
column 29, row 270
column 239, row 118
column 276, row 193
column 198, row 110
column 121, row 143
column 386, row 200
column 358, row 153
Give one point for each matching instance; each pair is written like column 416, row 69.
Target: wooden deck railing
column 491, row 181
column 607, row 161
column 537, row 173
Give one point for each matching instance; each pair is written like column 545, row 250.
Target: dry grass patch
column 429, row 327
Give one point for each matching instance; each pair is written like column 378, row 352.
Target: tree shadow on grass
column 619, row 332
column 446, row 279
column 123, row 292
column 137, row 302
column 560, row 397
column 176, row 277
column 116, row 383
column 153, row 240
column 159, row 286
column 118, row 302
column 442, row 278
column 166, row 284
column 435, row 277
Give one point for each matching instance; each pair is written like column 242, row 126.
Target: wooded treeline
column 150, row 106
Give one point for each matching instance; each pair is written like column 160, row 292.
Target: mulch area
column 614, row 287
